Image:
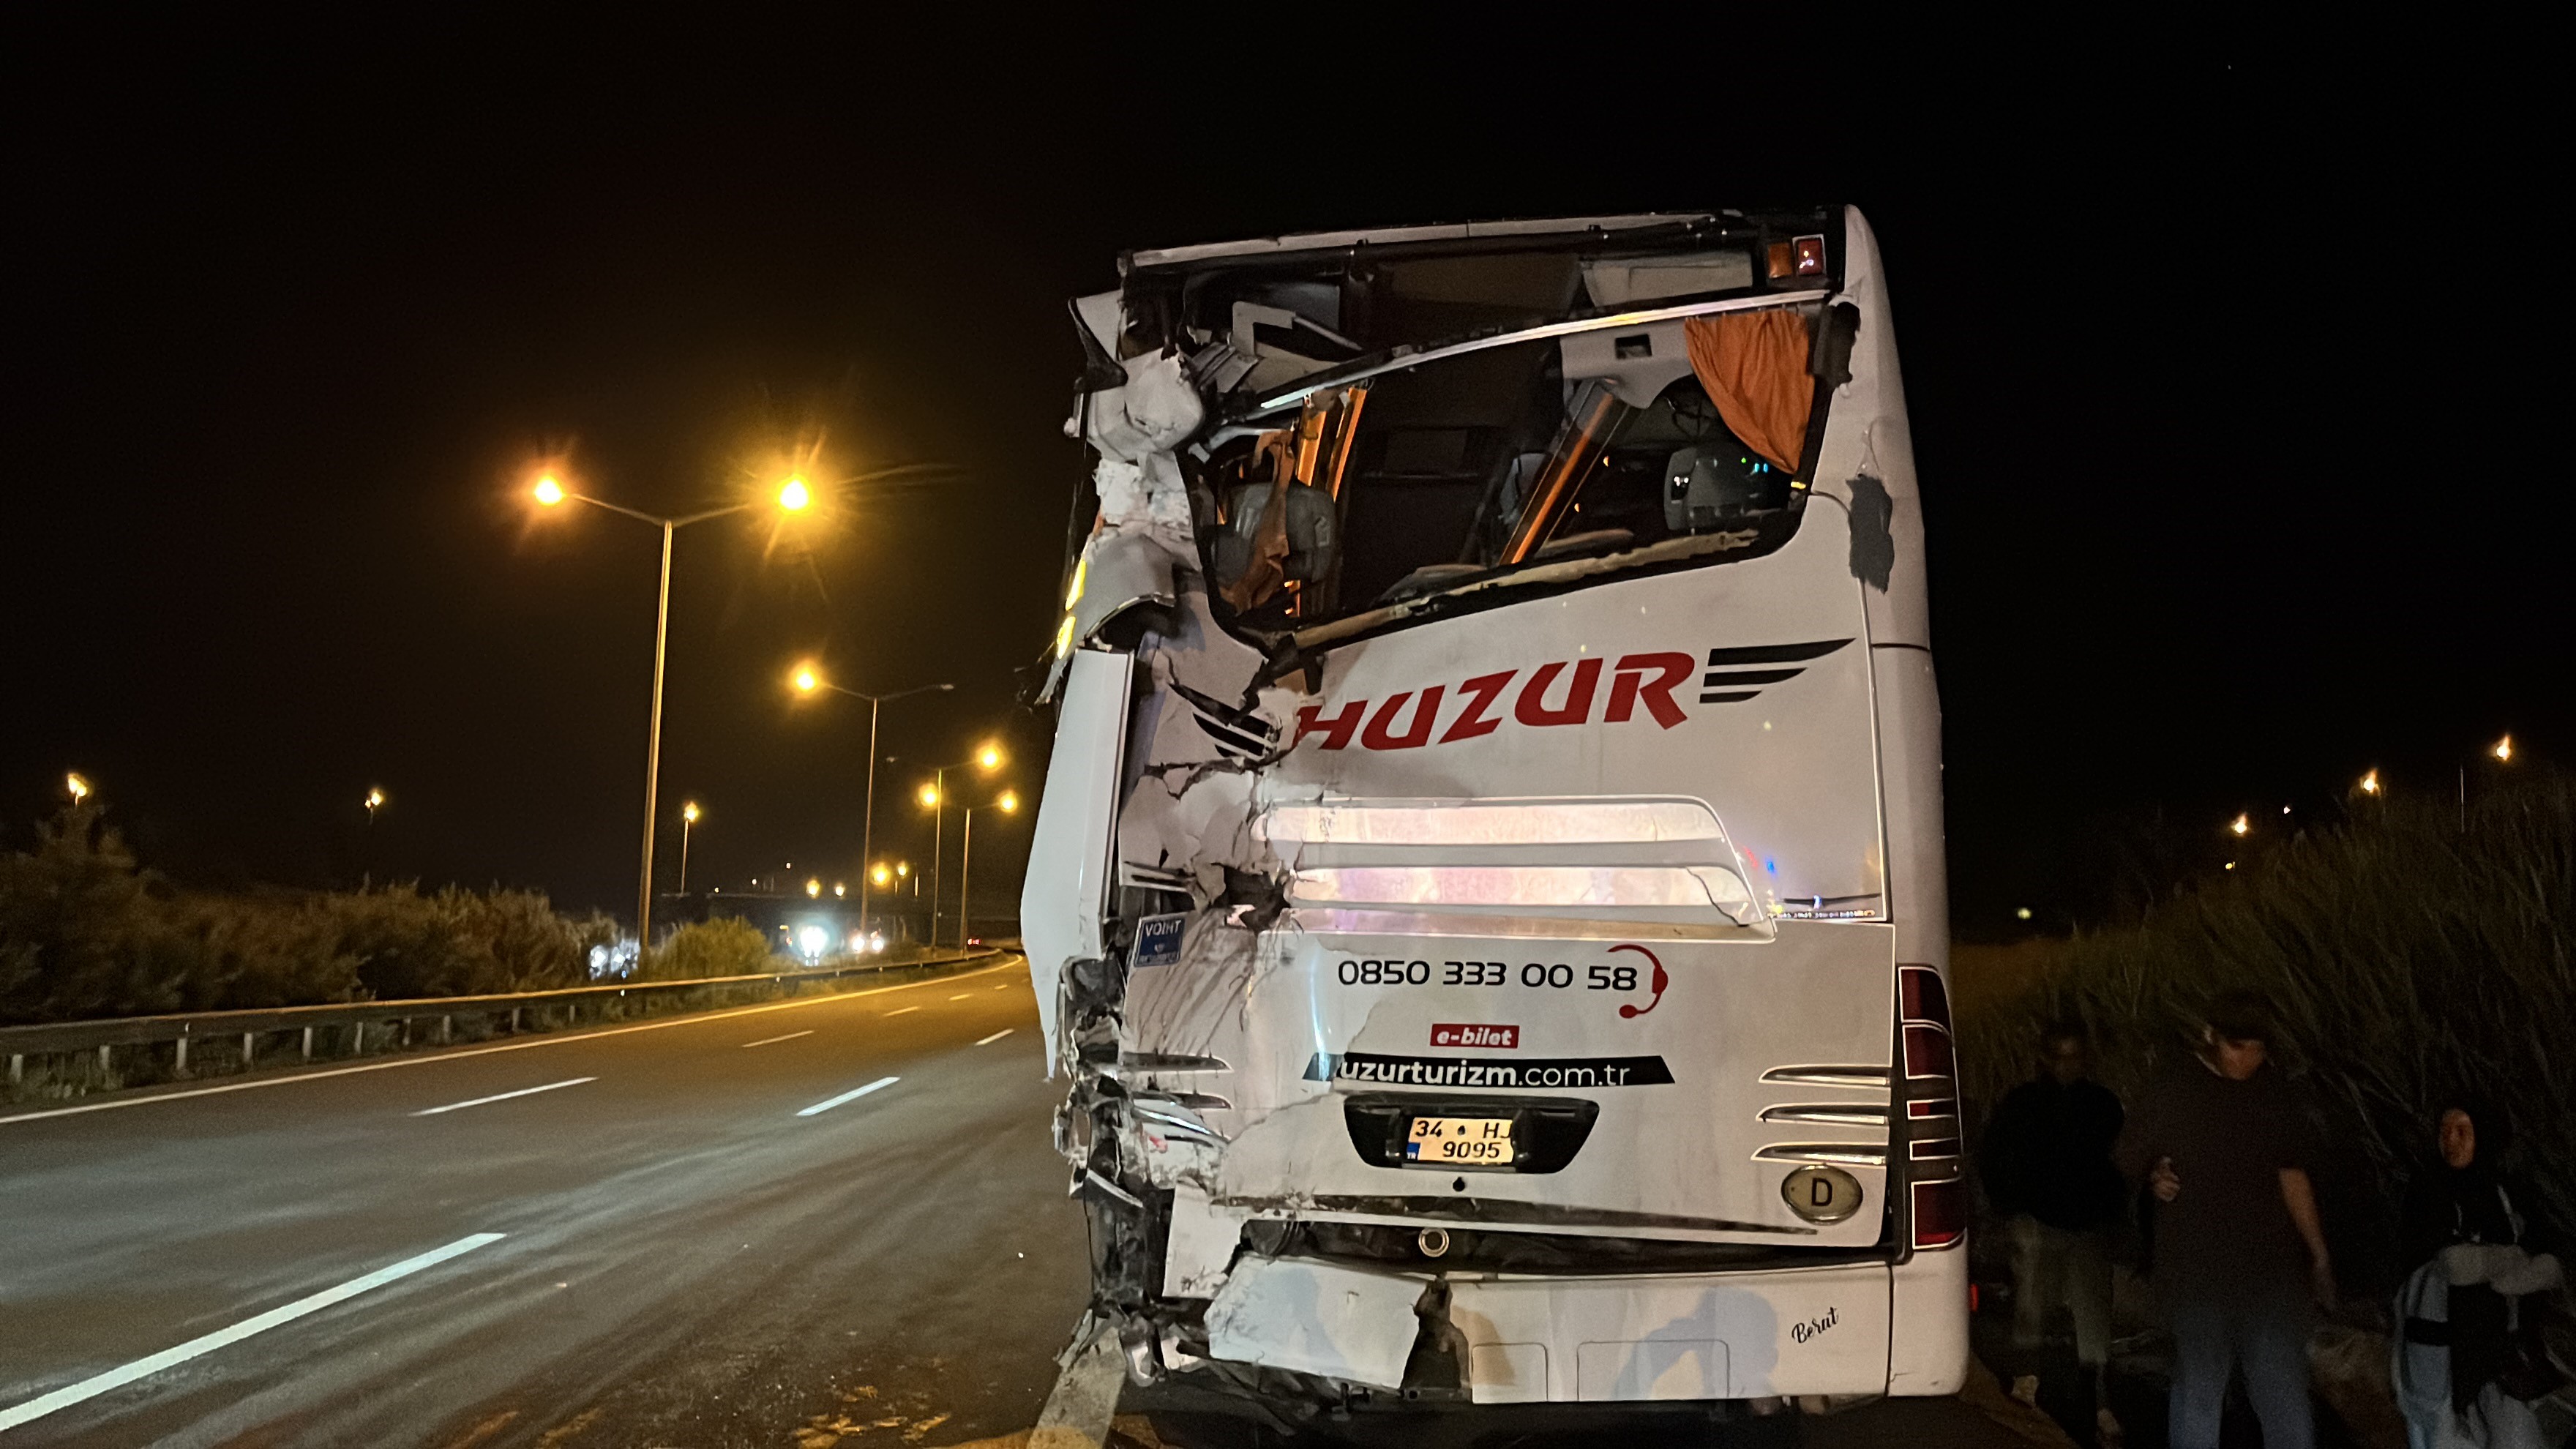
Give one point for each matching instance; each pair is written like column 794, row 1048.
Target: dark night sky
column 2234, row 485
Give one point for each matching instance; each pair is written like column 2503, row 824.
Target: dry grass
column 2406, row 956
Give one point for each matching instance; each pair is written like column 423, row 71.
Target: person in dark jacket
column 2473, row 1249
column 2225, row 1144
column 2047, row 1167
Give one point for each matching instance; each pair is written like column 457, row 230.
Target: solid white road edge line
column 850, row 1096
column 791, row 1036
column 503, row 1096
column 997, row 1036
column 513, row 1046
column 901, row 1010
column 90, row 1388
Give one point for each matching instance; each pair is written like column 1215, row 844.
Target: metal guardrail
column 104, row 1036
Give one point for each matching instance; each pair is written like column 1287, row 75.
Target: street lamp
column 688, row 818
column 2239, row 825
column 1008, row 802
column 2370, row 783
column 550, row 492
column 813, row 890
column 808, row 679
column 78, row 785
column 2503, row 748
column 375, row 801
column 934, row 798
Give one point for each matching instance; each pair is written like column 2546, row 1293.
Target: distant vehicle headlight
column 812, row 940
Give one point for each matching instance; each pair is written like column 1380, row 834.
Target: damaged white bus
column 1489, row 893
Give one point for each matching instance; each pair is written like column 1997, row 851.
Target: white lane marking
column 503, row 1096
column 902, row 1010
column 961, row 996
column 791, row 1036
column 1079, row 1408
column 850, row 1096
column 997, row 1036
column 90, row 1388
column 513, row 1046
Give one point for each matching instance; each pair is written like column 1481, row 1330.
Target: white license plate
column 1460, row 1141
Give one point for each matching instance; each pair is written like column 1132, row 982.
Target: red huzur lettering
column 1480, row 692
column 1628, row 684
column 1647, row 679
column 1380, row 736
column 1531, row 708
column 1337, row 730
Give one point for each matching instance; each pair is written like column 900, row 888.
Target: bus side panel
column 1927, row 1352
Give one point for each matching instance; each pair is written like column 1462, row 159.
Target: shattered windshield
column 1418, row 481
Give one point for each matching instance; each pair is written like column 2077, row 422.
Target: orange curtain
column 1754, row 365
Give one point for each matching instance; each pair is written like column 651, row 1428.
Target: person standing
column 2046, row 1161
column 2473, row 1251
column 2224, row 1144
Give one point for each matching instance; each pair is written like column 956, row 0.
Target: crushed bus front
column 1488, row 895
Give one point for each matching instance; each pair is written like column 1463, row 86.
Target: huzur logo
column 1410, row 719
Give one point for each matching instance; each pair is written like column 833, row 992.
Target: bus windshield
column 1424, row 480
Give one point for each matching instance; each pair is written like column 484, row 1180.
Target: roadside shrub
column 701, row 949
column 2404, row 952
column 86, row 932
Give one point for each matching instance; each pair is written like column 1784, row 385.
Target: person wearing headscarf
column 2473, row 1250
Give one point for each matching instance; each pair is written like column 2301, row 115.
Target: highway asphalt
column 710, row 1232
column 833, row 1222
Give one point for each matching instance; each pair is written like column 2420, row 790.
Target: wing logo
column 1729, row 682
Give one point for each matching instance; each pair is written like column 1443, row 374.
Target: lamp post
column 375, row 801
column 934, row 798
column 808, row 679
column 76, row 785
column 793, row 497
column 1008, row 802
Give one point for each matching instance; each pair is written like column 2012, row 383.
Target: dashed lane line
column 92, row 1387
column 503, row 1096
column 850, row 1096
column 997, row 1036
column 771, row 1040
column 903, row 1011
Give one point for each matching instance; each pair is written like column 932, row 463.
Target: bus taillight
column 1940, row 1213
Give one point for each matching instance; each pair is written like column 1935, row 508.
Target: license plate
column 1459, row 1141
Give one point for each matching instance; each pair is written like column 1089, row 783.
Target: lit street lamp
column 375, row 801
column 808, row 679
column 1008, row 802
column 78, row 785
column 934, row 798
column 688, row 818
column 793, row 497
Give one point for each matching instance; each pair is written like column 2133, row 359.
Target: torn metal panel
column 1316, row 1318
column 1062, row 907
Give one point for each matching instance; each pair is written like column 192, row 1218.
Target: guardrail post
column 308, row 1043
column 250, row 1049
column 183, row 1052
column 17, row 1068
column 445, row 1025
column 357, row 1038
column 102, row 1059
column 514, row 1021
